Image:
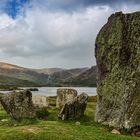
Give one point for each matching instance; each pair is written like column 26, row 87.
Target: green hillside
column 8, row 81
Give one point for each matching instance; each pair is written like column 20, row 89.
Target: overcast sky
column 54, row 33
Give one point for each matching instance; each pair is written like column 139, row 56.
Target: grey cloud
column 72, row 5
column 44, row 38
column 60, row 39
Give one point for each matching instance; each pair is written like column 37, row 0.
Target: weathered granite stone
column 75, row 108
column 18, row 104
column 64, row 95
column 118, row 61
column 40, row 101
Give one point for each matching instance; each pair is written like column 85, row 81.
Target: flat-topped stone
column 64, row 95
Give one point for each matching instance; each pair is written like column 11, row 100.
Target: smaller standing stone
column 65, row 95
column 75, row 108
column 40, row 101
column 18, row 104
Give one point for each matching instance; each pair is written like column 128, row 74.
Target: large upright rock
column 118, row 61
column 18, row 104
column 75, row 108
column 64, row 95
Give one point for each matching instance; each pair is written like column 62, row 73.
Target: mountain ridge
column 40, row 77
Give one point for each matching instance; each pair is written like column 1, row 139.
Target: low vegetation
column 51, row 128
column 5, row 87
column 6, row 82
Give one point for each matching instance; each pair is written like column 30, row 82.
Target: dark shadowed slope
column 87, row 78
column 68, row 74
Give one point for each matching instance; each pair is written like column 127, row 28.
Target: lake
column 51, row 91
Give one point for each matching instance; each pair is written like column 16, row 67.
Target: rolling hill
column 20, row 76
column 9, row 81
column 48, row 70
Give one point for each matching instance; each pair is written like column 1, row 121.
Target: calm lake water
column 51, row 91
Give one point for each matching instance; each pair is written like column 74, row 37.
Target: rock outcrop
column 118, row 62
column 75, row 108
column 64, row 95
column 18, row 104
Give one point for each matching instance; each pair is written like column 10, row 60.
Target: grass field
column 54, row 129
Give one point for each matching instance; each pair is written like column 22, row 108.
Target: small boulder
column 65, row 95
column 18, row 104
column 4, row 120
column 77, row 123
column 75, row 108
column 115, row 131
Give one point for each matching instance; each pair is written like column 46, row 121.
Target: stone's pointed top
column 118, row 13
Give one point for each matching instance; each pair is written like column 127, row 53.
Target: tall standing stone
column 118, row 61
column 64, row 95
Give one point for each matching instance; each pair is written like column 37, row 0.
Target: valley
column 13, row 75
